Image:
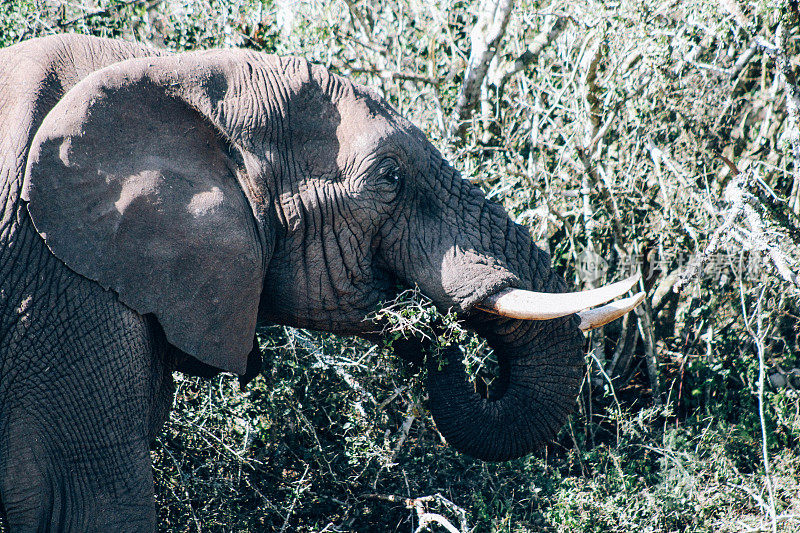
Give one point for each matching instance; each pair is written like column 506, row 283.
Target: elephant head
column 216, row 190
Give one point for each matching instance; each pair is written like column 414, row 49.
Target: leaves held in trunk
column 540, row 368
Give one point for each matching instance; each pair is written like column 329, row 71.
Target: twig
column 658, row 154
column 611, row 386
column 594, row 133
column 338, row 368
column 360, row 18
column 206, row 433
column 395, row 393
column 605, row 195
column 700, row 260
column 777, row 208
column 792, row 97
column 424, row 517
column 297, row 492
column 772, row 249
column 758, row 338
column 187, row 501
column 743, row 61
column 732, row 7
column 404, row 429
column 394, row 75
column 783, row 62
column 751, row 208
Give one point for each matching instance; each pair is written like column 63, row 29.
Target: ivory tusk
column 594, row 318
column 529, row 305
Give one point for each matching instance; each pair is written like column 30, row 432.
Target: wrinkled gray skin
column 155, row 208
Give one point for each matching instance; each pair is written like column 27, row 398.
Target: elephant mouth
column 506, row 301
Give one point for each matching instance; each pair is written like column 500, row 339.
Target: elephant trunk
column 541, row 365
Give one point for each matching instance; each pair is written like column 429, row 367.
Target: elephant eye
column 391, row 173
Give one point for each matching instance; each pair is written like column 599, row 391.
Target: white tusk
column 529, row 305
column 594, row 318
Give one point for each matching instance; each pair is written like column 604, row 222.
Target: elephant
column 157, row 207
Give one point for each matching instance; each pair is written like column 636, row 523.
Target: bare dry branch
column 542, row 40
column 485, row 37
column 425, row 517
column 149, row 4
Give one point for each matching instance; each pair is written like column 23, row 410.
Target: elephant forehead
column 364, row 140
column 361, row 137
column 365, row 118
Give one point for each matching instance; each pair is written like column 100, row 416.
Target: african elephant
column 155, row 208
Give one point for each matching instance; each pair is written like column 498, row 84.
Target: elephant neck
column 25, row 98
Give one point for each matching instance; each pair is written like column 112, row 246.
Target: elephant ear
column 131, row 184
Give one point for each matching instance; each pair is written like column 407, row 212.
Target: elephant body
column 67, row 342
column 154, row 208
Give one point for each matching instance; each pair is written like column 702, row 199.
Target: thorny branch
column 757, row 236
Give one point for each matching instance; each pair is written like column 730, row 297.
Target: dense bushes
column 633, row 134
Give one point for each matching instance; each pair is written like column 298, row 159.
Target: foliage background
column 633, row 134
